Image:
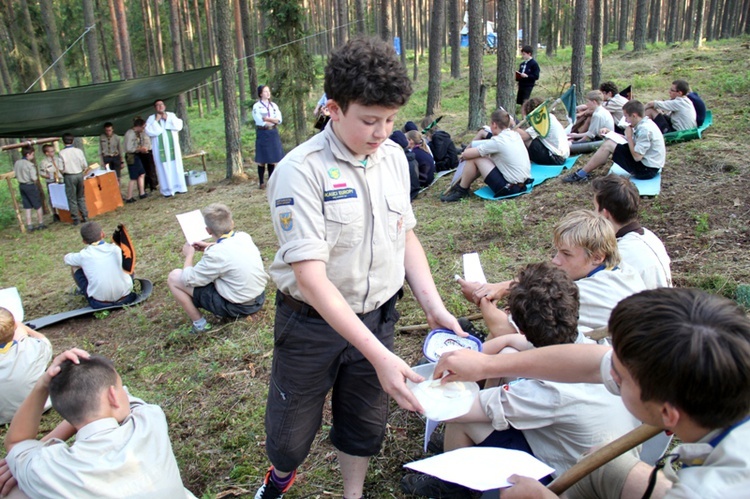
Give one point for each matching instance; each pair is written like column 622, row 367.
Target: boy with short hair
column 667, row 342
column 642, row 156
column 229, row 281
column 50, row 167
column 110, row 150
column 675, row 114
column 341, row 211
column 616, row 199
column 556, row 422
column 137, row 145
column 601, row 119
column 73, row 165
column 31, row 198
column 122, row 446
column 553, row 149
column 97, row 270
column 501, row 160
column 587, row 252
column 527, row 74
column 24, row 355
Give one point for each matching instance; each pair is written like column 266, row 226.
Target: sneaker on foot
column 436, row 445
column 204, row 329
column 41, row 227
column 469, row 327
column 269, row 490
column 455, row 194
column 76, row 222
column 143, row 196
column 130, row 200
column 419, row 484
column 30, row 228
column 574, row 177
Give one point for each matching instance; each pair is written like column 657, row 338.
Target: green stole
column 164, row 144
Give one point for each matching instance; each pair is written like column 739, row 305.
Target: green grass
column 213, row 386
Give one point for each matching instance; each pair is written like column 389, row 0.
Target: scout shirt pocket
column 396, row 208
column 344, row 224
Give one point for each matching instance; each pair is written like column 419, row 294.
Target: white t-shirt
column 680, row 110
column 509, row 154
column 648, row 256
column 556, row 140
column 102, row 264
column 600, row 119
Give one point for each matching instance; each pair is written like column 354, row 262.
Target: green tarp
column 83, row 110
column 691, row 134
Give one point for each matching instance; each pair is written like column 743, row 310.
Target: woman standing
column 268, row 149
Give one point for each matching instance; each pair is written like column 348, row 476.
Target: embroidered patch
column 286, row 221
column 334, row 173
column 284, row 202
column 337, row 194
column 340, row 185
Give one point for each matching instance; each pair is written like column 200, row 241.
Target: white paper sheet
column 481, row 468
column 619, row 139
column 59, row 199
column 11, row 300
column 473, row 268
column 193, row 226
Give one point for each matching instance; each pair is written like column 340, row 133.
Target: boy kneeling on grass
column 122, row 446
column 680, row 361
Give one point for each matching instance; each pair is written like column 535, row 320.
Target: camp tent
column 83, row 110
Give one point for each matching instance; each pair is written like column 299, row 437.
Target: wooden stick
column 32, row 142
column 7, row 177
column 420, row 327
column 602, row 456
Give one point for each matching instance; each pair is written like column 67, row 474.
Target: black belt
column 308, row 311
column 265, row 127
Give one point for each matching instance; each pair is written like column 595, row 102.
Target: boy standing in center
column 340, row 208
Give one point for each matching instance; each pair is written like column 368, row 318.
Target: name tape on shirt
column 284, row 202
column 337, row 194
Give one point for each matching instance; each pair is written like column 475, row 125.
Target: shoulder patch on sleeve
column 285, row 219
column 284, row 202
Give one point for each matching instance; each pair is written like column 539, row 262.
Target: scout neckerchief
column 168, row 143
column 225, row 236
column 669, row 458
column 6, row 347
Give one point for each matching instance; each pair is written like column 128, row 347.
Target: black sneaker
column 419, row 484
column 574, row 177
column 130, row 200
column 143, row 196
column 436, row 445
column 468, row 327
column 455, row 194
column 269, row 490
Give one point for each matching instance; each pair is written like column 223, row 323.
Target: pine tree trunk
column 506, row 53
column 124, row 37
column 577, row 64
column 687, row 32
column 455, row 37
column 149, row 36
column 342, row 21
column 204, row 86
column 92, row 48
column 53, row 42
column 596, row 42
column 158, row 41
column 654, row 20
column 361, row 11
column 476, row 52
column 536, row 21
column 622, row 34
column 436, row 37
column 229, row 89
column 212, row 49
column 175, row 29
column 247, row 36
column 698, row 35
column 641, row 23
column 29, row 27
column 400, row 30
column 385, row 20
column 239, row 41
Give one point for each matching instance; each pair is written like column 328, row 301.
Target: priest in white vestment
column 163, row 128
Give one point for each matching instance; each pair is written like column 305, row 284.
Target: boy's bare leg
column 600, row 157
column 183, row 294
column 131, row 184
column 28, row 216
column 474, row 168
column 142, row 185
column 353, row 472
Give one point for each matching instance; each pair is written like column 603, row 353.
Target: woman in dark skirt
column 268, row 149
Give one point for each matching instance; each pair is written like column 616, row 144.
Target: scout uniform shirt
column 48, row 167
column 25, row 171
column 331, row 207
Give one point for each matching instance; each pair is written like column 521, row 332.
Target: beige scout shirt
column 25, row 171
column 133, row 459
column 48, row 167
column 109, row 146
column 327, row 206
column 73, row 160
column 133, row 140
column 21, row 364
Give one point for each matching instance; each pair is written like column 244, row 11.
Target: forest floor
column 213, row 386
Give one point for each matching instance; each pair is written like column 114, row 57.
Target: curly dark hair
column 688, row 348
column 608, row 86
column 366, row 71
column 543, row 302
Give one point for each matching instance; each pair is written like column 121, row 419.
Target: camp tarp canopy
column 83, row 110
